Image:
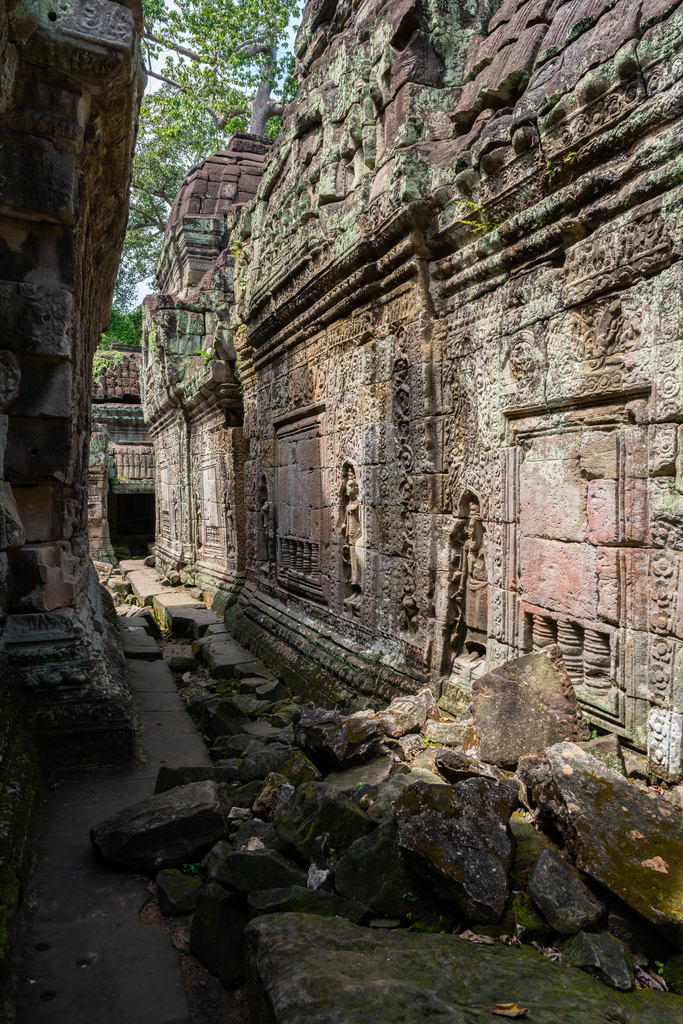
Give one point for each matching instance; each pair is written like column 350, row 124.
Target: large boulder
column 558, row 892
column 629, row 841
column 525, row 705
column 375, row 871
column 298, row 900
column 314, row 809
column 373, row 774
column 304, row 968
column 246, row 870
column 169, row 778
column 166, row 830
column 458, row 837
column 216, row 934
column 332, row 742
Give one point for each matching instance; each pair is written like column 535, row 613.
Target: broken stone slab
column 249, row 870
column 273, row 691
column 303, row 968
column 525, row 705
column 254, row 829
column 299, row 900
column 276, row 793
column 558, row 892
column 146, row 584
column 381, row 808
column 166, row 830
column 376, row 872
column 317, row 808
column 182, row 614
column 455, row 766
column 169, row 778
column 373, row 773
column 177, row 892
column 448, row 734
column 332, row 742
column 271, row 758
column 410, row 745
column 216, row 934
column 408, row 714
column 244, row 796
column 604, row 957
column 137, row 643
column 458, row 837
column 629, row 841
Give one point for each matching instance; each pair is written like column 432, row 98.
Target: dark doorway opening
column 131, row 523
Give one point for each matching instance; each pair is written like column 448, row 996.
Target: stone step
column 146, row 583
column 181, row 614
column 137, row 643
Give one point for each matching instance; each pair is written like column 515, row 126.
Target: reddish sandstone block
column 560, row 577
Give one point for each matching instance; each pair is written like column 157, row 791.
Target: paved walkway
column 83, row 956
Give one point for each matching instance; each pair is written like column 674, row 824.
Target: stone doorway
column 131, row 521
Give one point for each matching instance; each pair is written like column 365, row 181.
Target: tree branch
column 170, row 81
column 220, row 120
column 167, row 44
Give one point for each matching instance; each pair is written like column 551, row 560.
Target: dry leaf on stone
column 471, row 936
column 509, row 1010
column 657, row 864
column 510, row 940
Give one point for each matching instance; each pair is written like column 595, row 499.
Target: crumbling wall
column 459, row 300
column 191, row 395
column 71, row 90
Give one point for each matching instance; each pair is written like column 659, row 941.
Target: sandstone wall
column 193, row 403
column 459, row 328
column 71, row 90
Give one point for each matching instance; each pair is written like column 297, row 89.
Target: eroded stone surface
column 629, row 841
column 456, row 308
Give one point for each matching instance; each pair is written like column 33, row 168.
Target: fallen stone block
column 166, row 830
column 449, row 734
column 458, row 837
column 408, row 977
column 408, row 714
column 558, row 892
column 276, row 793
column 298, row 900
column 314, row 809
column 170, row 778
column 629, row 841
column 604, row 957
column 271, row 758
column 216, row 934
column 181, row 614
column 375, row 871
column 177, row 892
column 608, row 750
column 248, row 870
column 146, row 584
column 372, row 773
column 525, row 705
column 333, row 742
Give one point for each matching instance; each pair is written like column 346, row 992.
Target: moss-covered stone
column 299, row 900
column 216, row 933
column 304, row 968
column 249, row 870
column 317, row 808
column 177, row 892
column 604, row 956
column 375, row 871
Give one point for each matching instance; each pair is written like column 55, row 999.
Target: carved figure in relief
column 468, row 591
column 352, row 532
column 267, row 526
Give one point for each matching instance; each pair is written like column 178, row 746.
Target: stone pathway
column 82, row 953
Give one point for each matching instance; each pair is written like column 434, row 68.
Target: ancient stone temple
column 437, row 423
column 121, row 469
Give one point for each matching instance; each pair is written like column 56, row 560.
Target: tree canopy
column 226, row 68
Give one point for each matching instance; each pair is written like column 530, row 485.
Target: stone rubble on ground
column 317, row 812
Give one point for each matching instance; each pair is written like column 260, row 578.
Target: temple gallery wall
column 440, row 424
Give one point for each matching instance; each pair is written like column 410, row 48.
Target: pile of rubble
column 393, row 821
